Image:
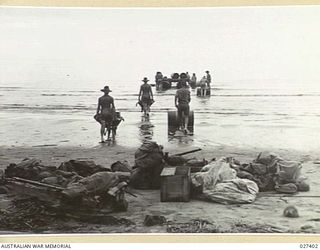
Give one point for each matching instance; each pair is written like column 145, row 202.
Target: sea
column 255, row 116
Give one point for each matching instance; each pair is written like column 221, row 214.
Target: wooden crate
column 175, row 184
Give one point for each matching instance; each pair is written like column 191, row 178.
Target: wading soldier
column 145, row 96
column 105, row 112
column 182, row 100
column 208, row 77
column 193, row 81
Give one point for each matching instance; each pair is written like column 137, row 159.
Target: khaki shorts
column 183, row 109
column 107, row 115
column 146, row 100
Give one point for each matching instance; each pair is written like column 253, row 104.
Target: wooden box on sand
column 175, row 184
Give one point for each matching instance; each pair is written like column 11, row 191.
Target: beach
column 265, row 212
column 59, row 127
column 264, row 97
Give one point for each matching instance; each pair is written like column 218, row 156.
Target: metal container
column 207, row 91
column 173, row 122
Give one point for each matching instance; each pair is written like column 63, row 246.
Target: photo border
column 158, row 238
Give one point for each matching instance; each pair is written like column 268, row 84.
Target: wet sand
column 266, row 210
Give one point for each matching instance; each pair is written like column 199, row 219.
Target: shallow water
column 285, row 118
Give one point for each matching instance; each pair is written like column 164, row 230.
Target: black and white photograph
column 160, row 120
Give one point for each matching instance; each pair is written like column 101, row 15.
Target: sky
column 58, row 46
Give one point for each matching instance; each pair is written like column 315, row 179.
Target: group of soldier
column 185, row 77
column 203, row 83
column 106, row 114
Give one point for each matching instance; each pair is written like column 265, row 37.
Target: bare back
column 145, row 91
column 106, row 102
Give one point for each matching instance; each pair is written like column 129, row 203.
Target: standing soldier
column 105, row 112
column 188, row 77
column 158, row 79
column 208, row 78
column 182, row 100
column 203, row 86
column 145, row 96
column 193, row 81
